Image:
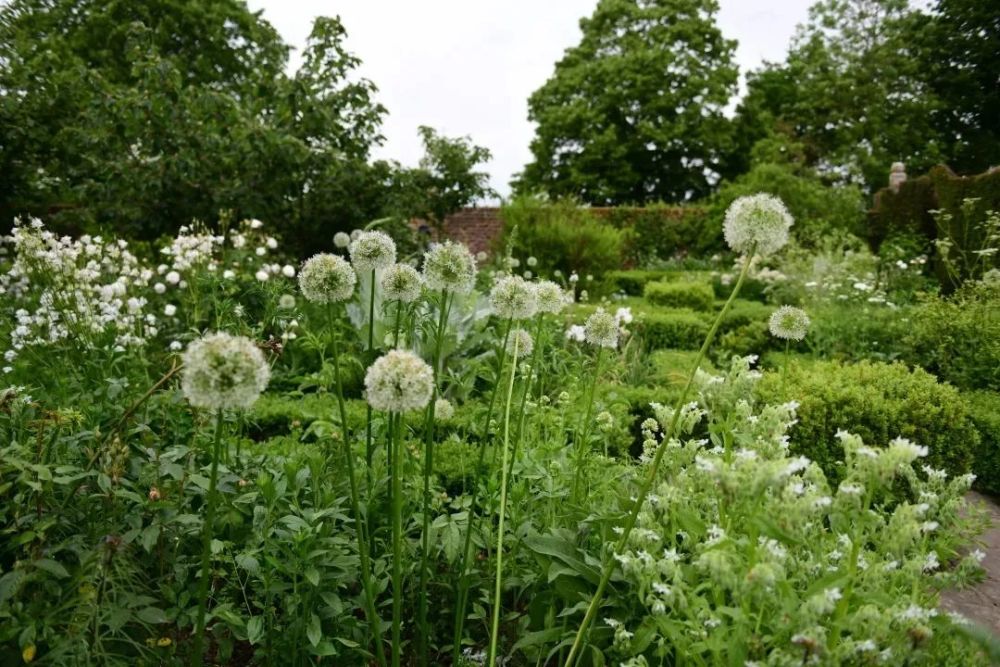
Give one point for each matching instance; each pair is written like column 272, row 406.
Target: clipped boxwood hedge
column 675, row 328
column 984, row 409
column 686, row 294
column 879, row 402
column 632, row 282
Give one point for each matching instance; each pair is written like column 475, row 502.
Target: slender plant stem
column 206, row 544
column 584, row 431
column 369, row 447
column 463, row 582
column 495, row 631
column 397, row 535
column 374, row 622
column 428, row 469
column 608, row 567
column 784, row 366
column 535, row 357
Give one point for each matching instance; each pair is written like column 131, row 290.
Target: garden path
column 981, row 603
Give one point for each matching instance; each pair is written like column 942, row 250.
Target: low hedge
column 984, row 409
column 878, row 402
column 632, row 282
column 277, row 414
column 679, row 328
column 686, row 294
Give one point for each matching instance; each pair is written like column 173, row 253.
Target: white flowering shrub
column 742, row 548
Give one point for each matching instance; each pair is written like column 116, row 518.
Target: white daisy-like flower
column 551, row 297
column 327, row 278
column 789, row 323
column 443, row 410
column 399, row 381
column 223, row 371
column 341, row 239
column 601, row 329
column 513, row 297
column 372, row 250
column 758, row 223
column 170, row 310
column 449, row 266
column 525, row 344
column 159, row 288
column 401, row 282
column 173, row 277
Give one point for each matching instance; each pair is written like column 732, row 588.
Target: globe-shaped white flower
column 551, row 297
column 372, row 250
column 513, row 297
column 341, row 239
column 789, row 323
column 758, row 223
column 223, row 371
column 401, row 282
column 443, row 410
column 327, row 278
column 525, row 344
column 601, row 329
column 399, row 381
column 449, row 266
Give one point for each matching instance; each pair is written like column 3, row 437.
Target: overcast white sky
column 467, row 67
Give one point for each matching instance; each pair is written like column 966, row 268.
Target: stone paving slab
column 981, row 603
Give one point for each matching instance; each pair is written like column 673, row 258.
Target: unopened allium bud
column 758, row 223
column 372, row 250
column 223, row 371
column 327, row 278
column 399, row 381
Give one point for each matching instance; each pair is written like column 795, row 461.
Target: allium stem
column 428, row 469
column 647, row 483
column 374, row 622
column 535, row 357
column 495, row 631
column 581, row 446
column 369, row 447
column 395, row 439
column 206, row 543
column 461, row 600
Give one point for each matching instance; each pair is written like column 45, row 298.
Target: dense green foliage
column 633, row 113
column 681, row 294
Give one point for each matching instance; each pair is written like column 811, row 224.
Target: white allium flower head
column 288, row 271
column 327, row 278
column 789, row 323
column 525, row 344
column 355, row 233
column 513, row 297
column 173, row 277
column 401, row 282
column 261, row 275
column 286, row 302
column 159, row 288
column 341, row 239
column 223, row 371
column 758, row 223
column 532, row 261
column 372, row 250
column 601, row 329
column 399, row 381
column 449, row 266
column 443, row 410
column 551, row 297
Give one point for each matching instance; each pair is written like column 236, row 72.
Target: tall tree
column 852, row 90
column 634, row 112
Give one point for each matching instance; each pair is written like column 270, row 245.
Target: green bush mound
column 743, row 312
column 984, row 409
column 959, row 338
column 633, row 282
column 878, row 402
column 679, row 328
column 276, row 414
column 752, row 288
column 686, row 294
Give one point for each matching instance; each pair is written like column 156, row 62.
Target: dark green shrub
column 275, row 414
column 743, row 312
column 878, row 402
column 958, row 338
column 696, row 296
column 752, row 289
column 561, row 235
column 656, row 231
column 984, row 409
column 751, row 338
column 680, row 328
column 632, row 282
column 851, row 332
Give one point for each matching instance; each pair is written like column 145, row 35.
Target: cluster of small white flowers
column 521, row 341
column 602, row 329
column 513, row 297
column 399, row 381
column 757, row 224
column 401, row 282
column 449, row 266
column 326, row 279
column 789, row 323
column 443, row 409
column 371, row 251
column 83, row 288
column 551, row 297
column 222, row 371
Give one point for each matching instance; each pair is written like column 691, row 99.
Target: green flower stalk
column 495, row 627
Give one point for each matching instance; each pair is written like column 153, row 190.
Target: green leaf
column 312, row 576
column 152, row 615
column 314, row 631
column 540, row 637
column 52, row 567
column 255, row 629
